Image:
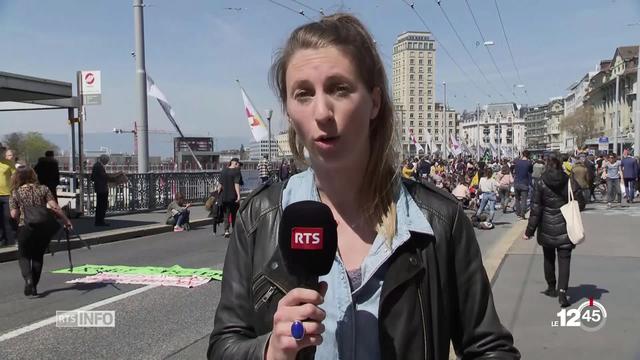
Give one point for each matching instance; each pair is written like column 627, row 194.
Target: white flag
column 258, row 129
column 429, row 142
column 413, row 139
column 455, row 146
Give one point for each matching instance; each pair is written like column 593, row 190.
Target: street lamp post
column 636, row 122
column 444, row 117
column 478, row 131
column 269, row 113
column 141, row 74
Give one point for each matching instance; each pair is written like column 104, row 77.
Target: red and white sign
column 91, row 84
column 306, row 238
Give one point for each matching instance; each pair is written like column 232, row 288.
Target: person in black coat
column 48, row 172
column 551, row 193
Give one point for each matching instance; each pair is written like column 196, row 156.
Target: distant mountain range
column 159, row 144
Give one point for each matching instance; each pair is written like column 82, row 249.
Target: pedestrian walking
column 629, row 173
column 580, row 174
column 101, row 187
column 546, row 220
column 48, row 172
column 7, row 225
column 284, row 172
column 34, row 234
column 489, row 190
column 230, row 179
column 332, row 84
column 264, row 169
column 505, row 181
column 523, row 168
column 612, row 173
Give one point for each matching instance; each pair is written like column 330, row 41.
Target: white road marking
column 52, row 320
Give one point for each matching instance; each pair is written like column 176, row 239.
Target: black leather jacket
column 435, row 289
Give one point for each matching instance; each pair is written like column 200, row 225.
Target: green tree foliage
column 29, row 147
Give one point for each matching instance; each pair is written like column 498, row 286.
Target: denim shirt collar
column 410, row 218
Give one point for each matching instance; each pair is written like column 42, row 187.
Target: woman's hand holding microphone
column 296, row 311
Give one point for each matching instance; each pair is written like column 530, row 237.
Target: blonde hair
column 348, row 34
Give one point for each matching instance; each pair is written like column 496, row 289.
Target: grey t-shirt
column 613, row 170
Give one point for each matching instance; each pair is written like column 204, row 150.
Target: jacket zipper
column 265, row 298
column 424, row 326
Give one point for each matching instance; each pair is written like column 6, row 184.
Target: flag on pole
column 154, row 91
column 465, row 148
column 258, row 129
column 494, row 150
column 455, row 146
column 429, row 142
column 413, row 139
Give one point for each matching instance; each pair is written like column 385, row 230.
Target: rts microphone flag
column 308, row 240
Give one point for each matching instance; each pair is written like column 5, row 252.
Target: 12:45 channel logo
column 590, row 316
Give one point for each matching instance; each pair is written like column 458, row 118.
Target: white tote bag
column 571, row 213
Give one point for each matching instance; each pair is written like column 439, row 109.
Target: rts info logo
column 590, row 316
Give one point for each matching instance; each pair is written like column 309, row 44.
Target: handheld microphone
column 308, row 240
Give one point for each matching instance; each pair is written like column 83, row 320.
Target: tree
column 28, row 147
column 581, row 124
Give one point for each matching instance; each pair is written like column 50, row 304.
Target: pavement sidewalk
column 122, row 227
column 606, row 267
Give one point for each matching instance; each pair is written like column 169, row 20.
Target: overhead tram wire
column 506, row 38
column 412, row 6
column 467, row 50
column 299, row 12
column 493, row 60
column 321, row 12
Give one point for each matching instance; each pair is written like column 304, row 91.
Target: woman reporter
column 408, row 276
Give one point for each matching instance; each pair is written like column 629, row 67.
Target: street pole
column 269, row 114
column 478, row 130
column 615, row 117
column 141, row 74
column 636, row 122
column 444, row 115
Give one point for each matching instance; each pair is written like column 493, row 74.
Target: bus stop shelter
column 28, row 93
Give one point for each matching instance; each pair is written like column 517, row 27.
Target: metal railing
column 151, row 191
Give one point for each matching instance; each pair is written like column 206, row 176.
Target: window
column 429, row 92
column 410, row 115
column 419, row 115
column 429, row 107
column 411, row 92
column 429, row 69
column 437, row 130
column 420, row 77
column 411, row 77
column 429, row 62
column 429, row 122
column 420, row 123
column 420, row 137
column 411, row 107
column 420, row 69
column 410, row 61
column 420, row 100
column 450, row 116
column 411, row 100
column 420, row 61
column 420, row 108
column 420, row 132
column 450, row 123
column 410, row 123
column 410, row 69
column 429, row 117
column 420, row 92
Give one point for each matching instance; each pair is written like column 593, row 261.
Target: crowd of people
column 482, row 186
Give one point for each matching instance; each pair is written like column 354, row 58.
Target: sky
column 196, row 49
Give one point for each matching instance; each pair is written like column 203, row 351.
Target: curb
column 496, row 256
column 11, row 253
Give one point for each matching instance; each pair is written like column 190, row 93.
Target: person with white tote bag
column 556, row 196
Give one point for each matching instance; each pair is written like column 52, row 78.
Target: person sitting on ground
column 178, row 213
column 461, row 192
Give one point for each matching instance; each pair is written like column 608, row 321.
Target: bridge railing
column 151, row 191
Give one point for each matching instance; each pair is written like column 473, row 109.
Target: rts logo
column 306, row 238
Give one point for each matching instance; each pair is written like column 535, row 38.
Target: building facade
column 257, row 150
column 556, row 114
column 536, row 119
column 501, row 128
column 572, row 102
column 414, row 94
column 612, row 92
